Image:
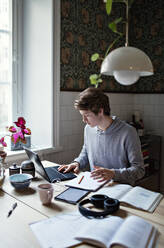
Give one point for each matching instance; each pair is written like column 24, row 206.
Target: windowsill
column 21, row 154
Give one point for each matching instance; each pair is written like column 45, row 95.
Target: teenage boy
column 111, row 147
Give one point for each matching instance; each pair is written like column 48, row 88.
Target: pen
column 80, row 179
column 13, row 207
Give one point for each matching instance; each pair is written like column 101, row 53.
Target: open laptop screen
column 37, row 163
column 51, row 174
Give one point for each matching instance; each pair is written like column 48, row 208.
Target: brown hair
column 93, row 99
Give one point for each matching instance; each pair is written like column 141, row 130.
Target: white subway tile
column 73, row 113
column 156, row 110
column 161, row 123
column 64, row 142
column 115, row 110
column 73, row 141
column 77, row 127
column 156, row 122
column 66, row 128
column 161, row 110
column 161, row 98
column 64, row 113
column 148, row 109
column 66, row 98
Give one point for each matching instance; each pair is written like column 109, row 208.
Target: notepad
column 87, row 183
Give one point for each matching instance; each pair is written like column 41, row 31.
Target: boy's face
column 90, row 118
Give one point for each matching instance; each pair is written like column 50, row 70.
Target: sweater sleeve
column 135, row 167
column 82, row 159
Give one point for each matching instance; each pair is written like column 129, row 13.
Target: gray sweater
column 118, row 148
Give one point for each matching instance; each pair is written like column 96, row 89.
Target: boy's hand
column 69, row 167
column 102, row 174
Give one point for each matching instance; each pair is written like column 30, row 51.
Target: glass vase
column 3, row 155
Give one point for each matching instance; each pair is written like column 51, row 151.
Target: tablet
column 72, row 195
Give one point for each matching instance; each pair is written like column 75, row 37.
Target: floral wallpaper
column 84, row 31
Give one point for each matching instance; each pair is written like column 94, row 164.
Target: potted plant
column 19, row 136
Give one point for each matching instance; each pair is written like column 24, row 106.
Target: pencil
column 13, row 207
column 80, row 179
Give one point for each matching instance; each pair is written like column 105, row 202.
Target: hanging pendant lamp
column 127, row 63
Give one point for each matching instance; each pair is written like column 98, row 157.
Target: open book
column 85, row 181
column 58, row 231
column 72, row 229
column 137, row 197
column 116, row 231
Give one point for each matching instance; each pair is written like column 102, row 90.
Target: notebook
column 51, row 174
column 85, row 181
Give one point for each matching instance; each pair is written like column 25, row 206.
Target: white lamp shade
column 126, row 77
column 127, row 59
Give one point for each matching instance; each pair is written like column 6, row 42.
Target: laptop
column 51, row 174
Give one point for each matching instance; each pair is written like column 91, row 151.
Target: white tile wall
column 151, row 107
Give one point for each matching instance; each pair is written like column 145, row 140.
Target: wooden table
column 14, row 230
column 29, row 202
column 30, row 196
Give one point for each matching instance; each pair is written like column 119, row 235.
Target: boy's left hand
column 102, row 174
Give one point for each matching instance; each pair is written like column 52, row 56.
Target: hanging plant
column 95, row 79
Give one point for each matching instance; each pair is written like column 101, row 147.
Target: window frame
column 17, row 53
column 56, row 73
column 18, row 76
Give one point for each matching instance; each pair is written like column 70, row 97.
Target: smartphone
column 72, row 195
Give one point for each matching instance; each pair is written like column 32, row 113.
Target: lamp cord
column 127, row 24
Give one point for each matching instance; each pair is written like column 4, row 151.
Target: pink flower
column 18, row 133
column 2, row 141
column 12, row 129
column 20, row 123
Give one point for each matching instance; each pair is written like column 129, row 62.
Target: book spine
column 146, row 158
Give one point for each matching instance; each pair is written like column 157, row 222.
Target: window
column 31, row 71
column 5, row 63
column 10, row 62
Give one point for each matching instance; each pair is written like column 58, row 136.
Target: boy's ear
column 101, row 111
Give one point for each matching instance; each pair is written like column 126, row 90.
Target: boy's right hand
column 69, row 167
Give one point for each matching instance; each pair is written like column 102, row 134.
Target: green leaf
column 113, row 25
column 108, row 6
column 118, row 20
column 93, row 78
column 94, row 57
column 99, row 80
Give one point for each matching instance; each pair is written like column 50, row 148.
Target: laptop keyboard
column 55, row 175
